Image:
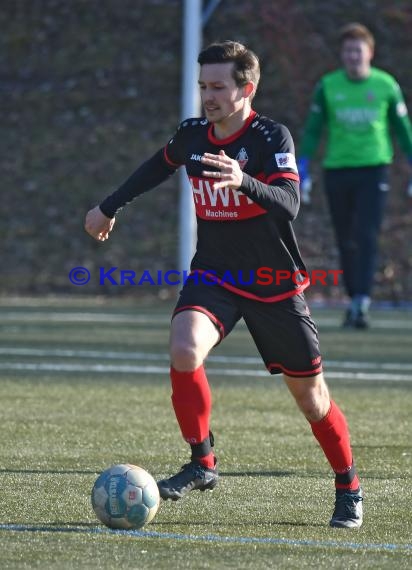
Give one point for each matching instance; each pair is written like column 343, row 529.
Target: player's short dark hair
column 246, row 63
column 356, row 31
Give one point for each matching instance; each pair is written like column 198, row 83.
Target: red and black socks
column 332, row 434
column 192, row 403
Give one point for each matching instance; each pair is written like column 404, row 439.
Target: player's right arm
column 312, row 133
column 100, row 220
column 149, row 175
column 313, row 127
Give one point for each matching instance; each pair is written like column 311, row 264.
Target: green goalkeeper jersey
column 357, row 116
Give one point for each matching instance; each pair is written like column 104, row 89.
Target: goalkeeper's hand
column 305, row 180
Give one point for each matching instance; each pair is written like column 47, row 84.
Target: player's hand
column 98, row 225
column 229, row 173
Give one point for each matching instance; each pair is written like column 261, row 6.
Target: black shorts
column 284, row 332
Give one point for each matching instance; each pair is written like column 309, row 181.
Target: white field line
column 148, row 356
column 138, row 369
column 73, row 317
column 333, row 544
column 138, row 318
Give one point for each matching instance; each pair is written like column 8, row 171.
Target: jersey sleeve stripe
column 168, row 160
column 289, row 175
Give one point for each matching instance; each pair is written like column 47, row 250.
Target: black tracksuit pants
column 357, row 198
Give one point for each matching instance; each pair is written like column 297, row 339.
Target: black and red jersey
column 245, row 238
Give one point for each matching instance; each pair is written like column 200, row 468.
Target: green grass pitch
column 84, row 385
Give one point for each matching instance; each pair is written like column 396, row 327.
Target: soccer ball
column 125, row 496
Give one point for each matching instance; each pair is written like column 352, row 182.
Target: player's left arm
column 280, row 196
column 401, row 123
column 278, row 191
column 400, row 120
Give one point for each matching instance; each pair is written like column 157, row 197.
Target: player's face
column 356, row 58
column 221, row 97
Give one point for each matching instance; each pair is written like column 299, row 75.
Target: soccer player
column 243, row 174
column 357, row 105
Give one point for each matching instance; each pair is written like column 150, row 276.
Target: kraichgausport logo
column 262, row 276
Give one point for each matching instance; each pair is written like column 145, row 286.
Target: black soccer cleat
column 361, row 320
column 348, row 321
column 357, row 320
column 348, row 511
column 192, row 476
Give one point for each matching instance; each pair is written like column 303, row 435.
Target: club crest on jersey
column 285, row 160
column 242, row 158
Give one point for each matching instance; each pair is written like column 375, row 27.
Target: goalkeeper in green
column 357, row 105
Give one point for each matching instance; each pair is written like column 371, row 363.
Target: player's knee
column 314, row 401
column 314, row 408
column 185, row 356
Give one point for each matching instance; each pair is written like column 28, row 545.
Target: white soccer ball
column 125, row 496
